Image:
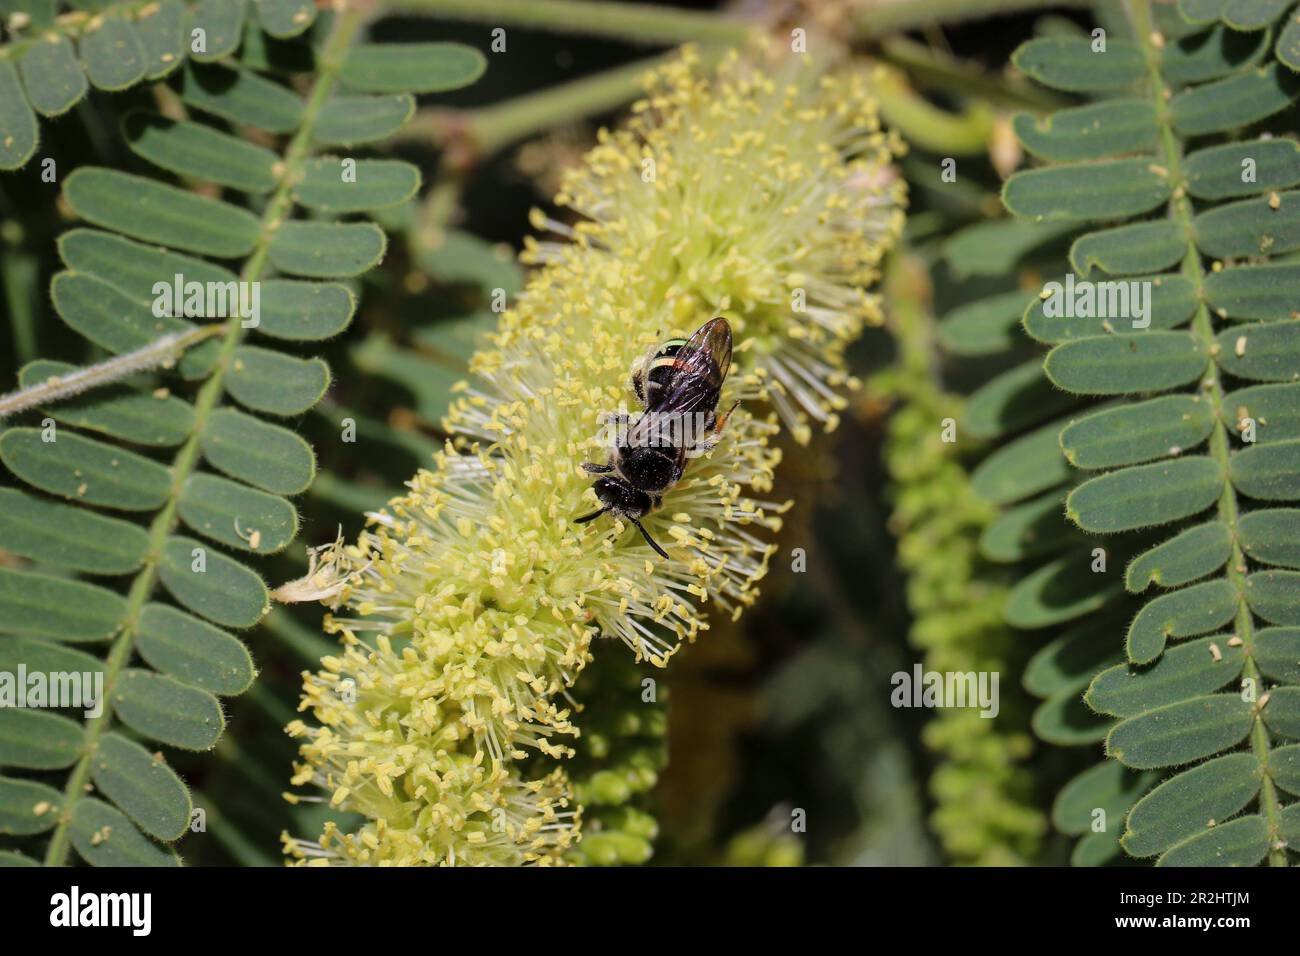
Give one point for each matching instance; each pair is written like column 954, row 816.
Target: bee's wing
column 705, row 356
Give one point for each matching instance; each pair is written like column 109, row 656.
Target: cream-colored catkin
column 762, row 192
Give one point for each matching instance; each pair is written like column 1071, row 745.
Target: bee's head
column 619, row 497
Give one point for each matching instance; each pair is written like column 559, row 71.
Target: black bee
column 678, row 385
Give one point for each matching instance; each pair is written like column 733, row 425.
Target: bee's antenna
column 646, row 534
column 591, row 517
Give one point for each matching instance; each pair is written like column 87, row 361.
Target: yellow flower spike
column 493, row 594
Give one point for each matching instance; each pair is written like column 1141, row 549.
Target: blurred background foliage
column 780, row 746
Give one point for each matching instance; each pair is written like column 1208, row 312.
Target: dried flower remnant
column 470, row 606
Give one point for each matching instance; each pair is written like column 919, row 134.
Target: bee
column 678, row 385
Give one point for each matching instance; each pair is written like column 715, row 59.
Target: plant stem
column 281, row 203
column 156, row 353
column 1180, row 208
column 634, row 22
column 879, row 17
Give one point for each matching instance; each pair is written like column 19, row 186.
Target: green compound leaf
column 200, row 152
column 1240, row 842
column 58, row 608
column 161, row 27
column 1254, row 292
column 273, row 382
column 1130, row 434
column 211, row 584
column 1234, row 102
column 133, row 268
column 1275, row 410
column 1288, row 44
column 1087, row 191
column 1172, row 302
column 327, row 250
column 411, row 67
column 1066, row 721
column 18, row 129
column 236, row 515
column 1061, row 591
column 285, row 18
column 354, row 120
column 1069, row 63
column 1252, row 227
column 346, row 185
column 1194, row 610
column 1069, row 662
column 304, row 311
column 1019, row 397
column 1191, row 802
column 82, row 469
column 103, row 836
column 1107, row 786
column 1096, row 849
column 1130, row 250
column 47, row 656
column 1027, row 466
column 222, row 23
column 163, row 709
column 1264, row 352
column 1211, row 55
column 36, row 740
column 1275, row 596
column 1282, row 711
column 264, row 455
column 1269, row 472
column 985, row 326
column 1187, row 670
column 112, row 53
column 1188, row 555
column 144, row 419
column 1029, row 530
column 1145, row 495
column 148, row 210
column 995, row 248
column 106, row 315
column 193, row 651
column 1181, row 733
column 1284, row 767
column 1126, row 365
column 1270, row 536
column 69, row 537
column 52, row 76
column 27, row 807
column 1095, row 131
column 1242, row 169
column 142, row 786
column 240, row 96
column 1252, row 14
column 1277, row 652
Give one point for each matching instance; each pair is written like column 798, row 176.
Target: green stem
column 1180, row 208
column 156, row 353
column 891, row 16
column 205, row 402
column 635, row 22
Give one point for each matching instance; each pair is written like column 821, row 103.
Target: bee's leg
column 646, row 534
column 592, row 468
column 591, row 517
